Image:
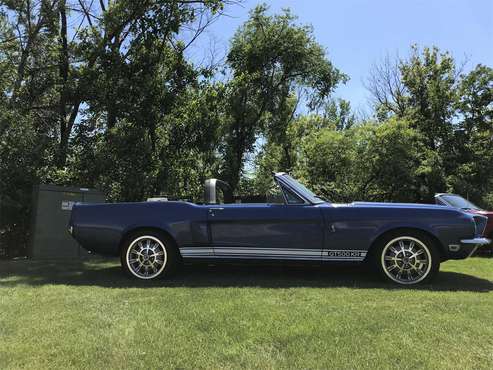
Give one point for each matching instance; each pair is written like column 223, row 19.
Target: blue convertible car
column 405, row 242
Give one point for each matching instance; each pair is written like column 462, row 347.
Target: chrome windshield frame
column 280, row 178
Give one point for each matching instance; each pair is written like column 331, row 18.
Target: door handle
column 212, row 211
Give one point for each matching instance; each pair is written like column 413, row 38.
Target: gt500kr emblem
column 349, row 255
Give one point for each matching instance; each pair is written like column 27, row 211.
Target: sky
column 357, row 33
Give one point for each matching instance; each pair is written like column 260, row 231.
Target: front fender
column 445, row 232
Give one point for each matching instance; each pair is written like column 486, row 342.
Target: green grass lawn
column 88, row 315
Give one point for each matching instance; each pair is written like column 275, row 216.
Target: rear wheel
column 407, row 258
column 148, row 255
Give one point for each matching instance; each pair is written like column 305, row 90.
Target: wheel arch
column 142, row 230
column 403, row 230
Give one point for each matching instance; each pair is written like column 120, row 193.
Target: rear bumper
column 466, row 247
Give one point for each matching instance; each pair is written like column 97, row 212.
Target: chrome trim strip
column 478, row 241
column 282, row 183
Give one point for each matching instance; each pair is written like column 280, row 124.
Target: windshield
column 459, row 202
column 301, row 189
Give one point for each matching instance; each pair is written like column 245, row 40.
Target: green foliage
column 339, row 113
column 101, row 94
column 273, row 61
column 430, row 81
column 112, row 101
column 22, row 148
column 382, row 162
column 473, row 152
column 452, row 112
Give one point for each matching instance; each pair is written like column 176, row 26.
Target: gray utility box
column 51, row 214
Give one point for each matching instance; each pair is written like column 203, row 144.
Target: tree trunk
column 63, row 67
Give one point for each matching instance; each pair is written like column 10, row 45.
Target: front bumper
column 476, row 241
column 466, row 247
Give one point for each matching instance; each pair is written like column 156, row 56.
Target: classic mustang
column 405, row 242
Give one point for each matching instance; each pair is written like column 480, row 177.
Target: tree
column 272, row 59
column 64, row 62
column 339, row 113
column 449, row 109
column 89, row 89
column 472, row 174
column 431, row 81
column 27, row 110
column 379, row 162
column 281, row 152
column 421, row 89
column 386, row 88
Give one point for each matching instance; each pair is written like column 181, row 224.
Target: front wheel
column 407, row 258
column 148, row 255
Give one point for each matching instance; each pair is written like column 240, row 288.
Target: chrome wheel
column 146, row 257
column 406, row 260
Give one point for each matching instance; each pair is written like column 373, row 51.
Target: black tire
column 411, row 267
column 159, row 256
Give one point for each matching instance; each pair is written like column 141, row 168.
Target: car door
column 292, row 231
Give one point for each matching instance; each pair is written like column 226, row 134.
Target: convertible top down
column 405, row 242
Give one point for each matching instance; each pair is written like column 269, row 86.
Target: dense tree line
column 432, row 132
column 102, row 94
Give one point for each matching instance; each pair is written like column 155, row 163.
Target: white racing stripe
column 220, row 251
column 196, row 252
column 274, row 253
